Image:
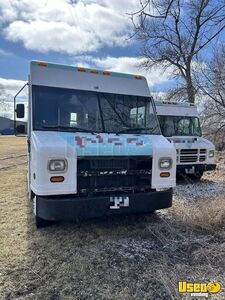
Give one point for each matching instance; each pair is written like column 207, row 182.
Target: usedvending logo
column 197, row 289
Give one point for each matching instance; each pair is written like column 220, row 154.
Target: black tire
column 40, row 223
column 32, row 195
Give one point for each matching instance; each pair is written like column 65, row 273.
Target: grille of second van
column 192, row 155
column 120, row 174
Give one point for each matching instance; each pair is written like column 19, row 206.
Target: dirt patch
column 136, row 257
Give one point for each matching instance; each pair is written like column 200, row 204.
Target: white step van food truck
column 180, row 124
column 94, row 145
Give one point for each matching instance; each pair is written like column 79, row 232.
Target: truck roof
column 56, row 75
column 166, row 108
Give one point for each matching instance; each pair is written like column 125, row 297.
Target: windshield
column 179, row 126
column 67, row 109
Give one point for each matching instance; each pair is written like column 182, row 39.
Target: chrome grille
column 191, row 155
column 188, row 151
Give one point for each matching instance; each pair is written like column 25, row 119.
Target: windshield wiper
column 78, row 129
column 130, row 129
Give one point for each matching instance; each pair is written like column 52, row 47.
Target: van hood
column 190, row 142
column 47, row 145
column 102, row 144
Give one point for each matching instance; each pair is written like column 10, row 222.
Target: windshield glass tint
column 94, row 111
column 179, row 126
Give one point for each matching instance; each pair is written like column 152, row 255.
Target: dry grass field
column 136, row 257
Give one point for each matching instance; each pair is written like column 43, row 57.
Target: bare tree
column 4, row 103
column 2, row 95
column 212, row 87
column 175, row 32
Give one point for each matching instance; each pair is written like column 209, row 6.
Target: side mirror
column 20, row 129
column 20, row 111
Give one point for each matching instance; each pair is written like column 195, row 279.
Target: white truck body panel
column 67, row 199
column 182, row 143
column 50, row 145
column 68, row 77
column 179, row 109
column 43, row 146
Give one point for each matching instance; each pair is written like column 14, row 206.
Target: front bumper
column 198, row 168
column 69, row 208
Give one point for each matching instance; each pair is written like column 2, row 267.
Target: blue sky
column 15, row 58
column 92, row 33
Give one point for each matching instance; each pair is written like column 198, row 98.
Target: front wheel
column 40, row 223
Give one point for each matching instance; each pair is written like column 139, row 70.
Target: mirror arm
column 14, row 99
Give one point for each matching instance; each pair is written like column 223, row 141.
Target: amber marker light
column 165, row 174
column 81, row 69
column 57, row 179
column 106, row 73
column 42, row 64
column 94, row 71
column 138, row 77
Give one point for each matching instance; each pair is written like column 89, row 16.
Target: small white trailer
column 94, row 145
column 180, row 124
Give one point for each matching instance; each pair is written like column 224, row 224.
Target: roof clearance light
column 169, row 102
column 81, row 69
column 42, row 64
column 106, row 73
column 94, row 71
column 138, row 77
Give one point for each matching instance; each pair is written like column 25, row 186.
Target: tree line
column 187, row 37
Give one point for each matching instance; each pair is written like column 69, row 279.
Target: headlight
column 57, row 165
column 211, row 153
column 165, row 163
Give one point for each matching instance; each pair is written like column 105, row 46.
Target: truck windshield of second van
column 180, row 126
